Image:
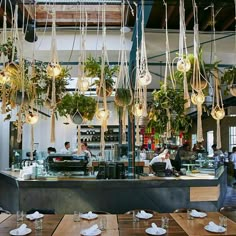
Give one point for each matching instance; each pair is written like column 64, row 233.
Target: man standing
column 233, row 160
column 66, row 149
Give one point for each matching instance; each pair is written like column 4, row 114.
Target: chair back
column 42, row 211
column 138, row 210
column 184, row 210
column 101, row 212
column 228, row 208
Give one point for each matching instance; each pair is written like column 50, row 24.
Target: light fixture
column 138, row 109
column 183, row 65
column 4, row 78
column 83, row 84
column 145, row 78
column 31, row 118
column 218, row 113
column 200, row 98
column 232, row 89
column 102, row 114
column 53, row 69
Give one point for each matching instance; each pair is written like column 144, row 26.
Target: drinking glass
column 76, row 216
column 38, row 224
column 135, row 218
column 189, row 211
column 102, row 223
column 223, row 221
column 19, row 216
column 164, row 222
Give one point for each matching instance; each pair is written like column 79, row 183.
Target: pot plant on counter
column 78, row 106
column 93, row 68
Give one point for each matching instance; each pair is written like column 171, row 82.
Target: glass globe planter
column 183, row 65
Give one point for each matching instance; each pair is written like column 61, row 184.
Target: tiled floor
column 230, row 198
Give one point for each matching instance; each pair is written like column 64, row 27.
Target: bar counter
column 65, row 194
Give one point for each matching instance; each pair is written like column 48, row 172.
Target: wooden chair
column 136, row 210
column 101, row 212
column 228, row 208
column 42, row 211
column 184, row 210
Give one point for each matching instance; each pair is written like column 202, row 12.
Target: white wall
column 42, row 134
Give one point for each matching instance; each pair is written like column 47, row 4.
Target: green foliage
column 7, row 50
column 229, row 78
column 174, row 101
column 71, row 103
column 93, row 68
column 123, row 97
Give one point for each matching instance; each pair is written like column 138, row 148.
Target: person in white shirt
column 162, row 157
column 66, row 149
column 87, row 152
column 233, row 159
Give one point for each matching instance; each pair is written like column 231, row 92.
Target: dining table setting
column 135, row 223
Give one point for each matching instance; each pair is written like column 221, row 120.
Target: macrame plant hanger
column 217, row 111
column 139, row 106
column 123, row 80
column 53, row 70
column 168, row 70
column 183, row 63
column 197, row 97
column 3, row 76
column 103, row 113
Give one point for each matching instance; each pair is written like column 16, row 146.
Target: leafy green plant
column 71, row 103
column 7, row 50
column 123, row 97
column 174, row 101
column 93, row 68
column 229, row 78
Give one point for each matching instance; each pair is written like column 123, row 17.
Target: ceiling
column 68, row 13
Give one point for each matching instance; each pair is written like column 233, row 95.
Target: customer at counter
column 233, row 160
column 85, row 150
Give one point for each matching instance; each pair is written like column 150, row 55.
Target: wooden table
column 68, row 227
column 129, row 228
column 230, row 214
column 50, row 223
column 195, row 227
column 4, row 216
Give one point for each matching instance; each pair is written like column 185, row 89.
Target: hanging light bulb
column 193, row 98
column 102, row 114
column 145, row 78
column 183, row 65
column 83, row 84
column 232, row 89
column 218, row 113
column 137, row 109
column 200, row 98
column 31, row 118
column 4, row 78
column 53, row 69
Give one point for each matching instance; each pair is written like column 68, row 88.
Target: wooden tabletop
column 195, row 227
column 230, row 214
column 50, row 223
column 68, row 227
column 129, row 228
column 4, row 216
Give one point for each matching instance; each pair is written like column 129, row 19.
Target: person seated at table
column 162, row 157
column 143, row 151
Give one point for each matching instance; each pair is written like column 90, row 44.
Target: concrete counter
column 163, row 194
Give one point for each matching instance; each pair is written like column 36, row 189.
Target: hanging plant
column 171, row 100
column 123, row 97
column 229, row 78
column 93, row 68
column 77, row 103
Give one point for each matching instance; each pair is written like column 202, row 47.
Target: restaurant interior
column 117, row 117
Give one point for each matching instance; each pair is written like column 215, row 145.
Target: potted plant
column 93, row 68
column 76, row 105
column 123, row 97
column 229, row 78
column 173, row 100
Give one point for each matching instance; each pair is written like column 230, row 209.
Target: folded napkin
column 21, row 229
column 143, row 214
column 197, row 213
column 35, row 215
column 90, row 230
column 155, row 228
column 214, row 227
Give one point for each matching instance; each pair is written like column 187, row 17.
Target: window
column 210, row 142
column 232, row 137
column 194, row 139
